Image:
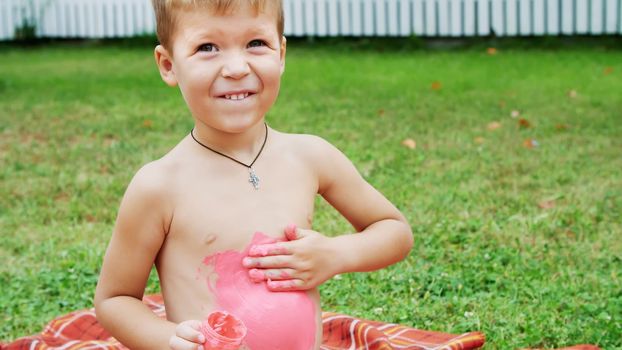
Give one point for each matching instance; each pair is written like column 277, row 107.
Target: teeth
column 236, row 97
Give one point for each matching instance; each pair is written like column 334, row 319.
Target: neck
column 242, row 146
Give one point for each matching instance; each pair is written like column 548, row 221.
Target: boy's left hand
column 303, row 262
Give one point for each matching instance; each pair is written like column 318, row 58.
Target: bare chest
column 222, row 210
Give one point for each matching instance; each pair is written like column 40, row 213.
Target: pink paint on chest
column 274, row 320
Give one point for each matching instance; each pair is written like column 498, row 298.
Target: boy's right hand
column 187, row 336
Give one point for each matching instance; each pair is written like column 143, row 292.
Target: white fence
column 427, row 18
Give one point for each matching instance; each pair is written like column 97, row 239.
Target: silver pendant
column 253, row 178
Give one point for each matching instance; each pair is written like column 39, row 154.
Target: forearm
column 134, row 324
column 379, row 245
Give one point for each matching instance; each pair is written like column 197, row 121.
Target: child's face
column 228, row 67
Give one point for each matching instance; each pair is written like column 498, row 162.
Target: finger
column 285, row 285
column 269, row 249
column 189, row 331
column 177, row 343
column 291, row 232
column 257, row 275
column 268, row 262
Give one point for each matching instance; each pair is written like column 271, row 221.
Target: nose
column 235, row 67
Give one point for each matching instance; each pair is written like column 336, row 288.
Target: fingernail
column 201, row 339
column 247, row 262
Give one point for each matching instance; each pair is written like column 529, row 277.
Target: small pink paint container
column 223, row 331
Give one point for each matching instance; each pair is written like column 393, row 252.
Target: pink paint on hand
column 267, row 249
column 256, row 275
column 275, row 320
column 290, row 232
column 222, row 331
column 281, row 285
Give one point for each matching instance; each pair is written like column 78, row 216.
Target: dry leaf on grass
column 572, row 93
column 380, row 112
column 608, row 70
column 524, row 123
column 547, row 204
column 493, row 126
column 62, row 197
column 436, row 85
column 530, row 143
column 562, row 126
column 515, row 113
column 479, row 140
column 491, row 51
column 147, row 123
column 409, row 143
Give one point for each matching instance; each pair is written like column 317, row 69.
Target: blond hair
column 165, row 13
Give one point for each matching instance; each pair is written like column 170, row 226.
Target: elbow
column 105, row 313
column 97, row 303
column 98, row 297
column 406, row 240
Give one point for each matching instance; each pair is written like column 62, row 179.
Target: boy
column 222, row 236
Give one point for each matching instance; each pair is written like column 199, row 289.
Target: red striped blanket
column 80, row 330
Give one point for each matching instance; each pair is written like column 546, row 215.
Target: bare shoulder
column 312, row 147
column 151, row 189
column 151, row 178
column 321, row 158
column 157, row 176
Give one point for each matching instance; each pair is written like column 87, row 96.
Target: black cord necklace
column 253, row 178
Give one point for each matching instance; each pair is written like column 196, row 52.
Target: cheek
column 195, row 97
column 271, row 87
column 195, row 84
column 273, row 84
column 269, row 71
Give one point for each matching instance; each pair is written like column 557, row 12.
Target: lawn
column 507, row 165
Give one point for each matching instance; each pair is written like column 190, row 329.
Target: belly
column 275, row 320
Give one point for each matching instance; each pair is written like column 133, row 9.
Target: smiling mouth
column 237, row 97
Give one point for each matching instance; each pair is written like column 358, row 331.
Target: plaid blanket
column 80, row 330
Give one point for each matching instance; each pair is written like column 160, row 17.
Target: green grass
column 77, row 122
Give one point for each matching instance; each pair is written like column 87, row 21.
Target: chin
column 240, row 125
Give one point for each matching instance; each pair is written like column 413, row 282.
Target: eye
column 208, row 48
column 257, row 43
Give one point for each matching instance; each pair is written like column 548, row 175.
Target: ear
column 283, row 50
column 165, row 65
